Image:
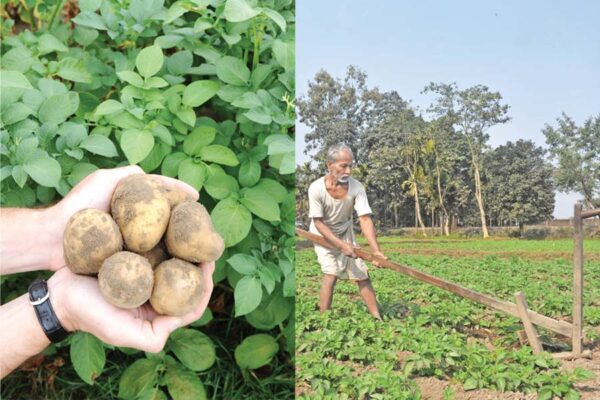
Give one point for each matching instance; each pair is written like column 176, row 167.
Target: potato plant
column 200, row 90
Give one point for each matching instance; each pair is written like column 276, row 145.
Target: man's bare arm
column 368, row 229
column 324, row 230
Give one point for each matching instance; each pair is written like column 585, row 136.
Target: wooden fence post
column 577, row 281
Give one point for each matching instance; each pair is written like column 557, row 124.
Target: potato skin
column 176, row 195
column 191, row 235
column 126, row 280
column 90, row 237
column 177, row 287
column 157, row 255
column 141, row 211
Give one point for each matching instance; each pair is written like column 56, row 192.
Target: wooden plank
column 561, row 327
column 577, row 281
column 532, row 336
column 569, row 355
column 590, row 213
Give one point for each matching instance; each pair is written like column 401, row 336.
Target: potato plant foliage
column 200, row 90
column 429, row 332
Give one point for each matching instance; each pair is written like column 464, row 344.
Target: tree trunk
column 418, row 212
column 478, row 191
column 521, row 228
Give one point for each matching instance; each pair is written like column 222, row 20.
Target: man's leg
column 326, row 294
column 368, row 294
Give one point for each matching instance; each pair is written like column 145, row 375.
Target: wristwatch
column 39, row 297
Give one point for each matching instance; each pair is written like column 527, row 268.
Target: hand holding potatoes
column 144, row 211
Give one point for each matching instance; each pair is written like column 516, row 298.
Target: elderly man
column 332, row 199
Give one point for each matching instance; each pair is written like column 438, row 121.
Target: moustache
column 344, row 179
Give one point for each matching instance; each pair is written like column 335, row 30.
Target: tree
column 520, row 186
column 577, row 151
column 471, row 112
column 336, row 111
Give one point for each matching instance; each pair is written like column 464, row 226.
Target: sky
column 542, row 56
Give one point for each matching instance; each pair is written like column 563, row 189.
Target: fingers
column 152, row 336
column 177, row 184
column 207, row 271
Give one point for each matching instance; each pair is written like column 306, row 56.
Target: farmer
column 32, row 240
column 332, row 199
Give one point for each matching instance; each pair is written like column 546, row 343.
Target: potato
column 157, row 255
column 141, row 211
column 91, row 236
column 126, row 280
column 191, row 235
column 176, row 195
column 177, row 287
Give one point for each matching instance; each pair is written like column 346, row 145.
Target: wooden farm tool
column 561, row 327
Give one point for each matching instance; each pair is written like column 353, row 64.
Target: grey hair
column 334, row 151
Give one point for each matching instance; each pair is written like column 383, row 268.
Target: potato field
column 433, row 344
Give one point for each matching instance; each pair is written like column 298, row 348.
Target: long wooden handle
column 564, row 328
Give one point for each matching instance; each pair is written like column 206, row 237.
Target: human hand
column 380, row 255
column 95, row 191
column 79, row 306
column 348, row 250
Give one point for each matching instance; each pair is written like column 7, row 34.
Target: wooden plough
column 518, row 309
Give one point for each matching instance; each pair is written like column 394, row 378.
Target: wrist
column 59, row 287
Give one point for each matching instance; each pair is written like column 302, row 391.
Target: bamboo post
column 577, row 281
column 532, row 336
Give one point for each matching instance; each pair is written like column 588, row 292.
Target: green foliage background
column 201, row 90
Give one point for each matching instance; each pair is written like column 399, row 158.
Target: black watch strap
column 39, row 297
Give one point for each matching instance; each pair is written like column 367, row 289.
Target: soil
column 434, row 388
column 588, row 389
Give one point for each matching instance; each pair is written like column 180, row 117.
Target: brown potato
column 141, row 211
column 126, row 280
column 177, row 287
column 191, row 235
column 176, row 195
column 157, row 255
column 91, row 236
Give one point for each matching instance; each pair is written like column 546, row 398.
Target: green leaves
column 219, row 154
column 233, row 71
column 247, row 295
column 56, row 109
column 199, row 92
column 138, row 377
column 100, row 145
column 149, row 61
column 232, row 220
column 45, row 171
column 261, row 204
column 90, row 20
column 183, row 384
column 48, row 44
column 285, row 54
column 72, row 69
column 131, row 77
column 188, row 89
column 192, row 173
column 136, row 144
column 87, row 355
column 239, row 11
column 14, row 80
column 244, row 264
column 108, row 107
column 193, row 348
column 256, row 351
column 199, row 138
